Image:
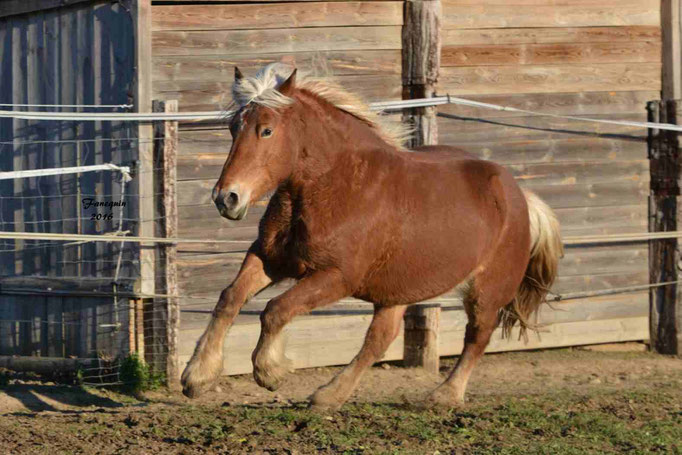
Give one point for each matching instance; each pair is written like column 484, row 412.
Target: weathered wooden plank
column 549, row 14
column 578, row 173
column 196, row 305
column 603, row 219
column 203, row 222
column 211, row 96
column 218, row 270
column 552, row 78
column 318, row 63
column 219, row 42
column 553, row 35
column 276, row 15
column 580, row 103
column 592, row 150
column 198, row 192
column 608, row 259
column 593, row 195
column 343, row 337
column 598, row 282
column 473, row 130
column 543, row 54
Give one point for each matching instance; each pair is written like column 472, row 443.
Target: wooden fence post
column 167, row 309
column 420, row 65
column 665, row 302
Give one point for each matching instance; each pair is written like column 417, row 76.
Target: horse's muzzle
column 230, row 203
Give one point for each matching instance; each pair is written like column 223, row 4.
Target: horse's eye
column 267, row 132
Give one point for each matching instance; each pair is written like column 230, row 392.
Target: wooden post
column 139, row 327
column 421, row 337
column 420, row 66
column 166, row 146
column 665, row 302
column 671, row 23
column 144, row 179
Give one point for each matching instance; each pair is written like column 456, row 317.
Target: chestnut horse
column 355, row 214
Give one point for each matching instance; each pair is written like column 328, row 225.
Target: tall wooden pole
column 665, row 206
column 665, row 302
column 144, row 179
column 167, row 310
column 420, row 66
column 671, row 23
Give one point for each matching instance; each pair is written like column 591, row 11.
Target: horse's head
column 262, row 153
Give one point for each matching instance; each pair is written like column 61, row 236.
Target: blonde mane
column 261, row 89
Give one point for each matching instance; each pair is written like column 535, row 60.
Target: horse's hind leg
column 482, row 304
column 321, row 288
column 381, row 333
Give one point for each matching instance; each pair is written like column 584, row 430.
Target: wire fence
column 72, row 274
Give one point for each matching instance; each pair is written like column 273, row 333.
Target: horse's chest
column 289, row 242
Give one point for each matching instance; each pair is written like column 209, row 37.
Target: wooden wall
column 81, row 54
column 195, row 48
column 576, row 57
column 572, row 57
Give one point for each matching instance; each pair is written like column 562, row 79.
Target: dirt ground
column 556, row 401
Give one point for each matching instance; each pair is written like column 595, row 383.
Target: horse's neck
column 332, row 144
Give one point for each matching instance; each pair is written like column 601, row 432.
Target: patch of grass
column 560, row 421
column 137, row 376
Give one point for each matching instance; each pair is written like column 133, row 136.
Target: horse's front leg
column 318, row 289
column 206, row 363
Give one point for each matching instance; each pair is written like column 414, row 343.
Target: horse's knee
column 272, row 317
column 226, row 302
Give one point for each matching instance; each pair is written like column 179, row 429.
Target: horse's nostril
column 232, row 199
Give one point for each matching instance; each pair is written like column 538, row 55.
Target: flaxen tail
column 546, row 250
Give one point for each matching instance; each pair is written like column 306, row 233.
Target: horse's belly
column 401, row 281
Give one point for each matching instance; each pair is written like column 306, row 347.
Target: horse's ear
column 287, row 86
column 237, row 74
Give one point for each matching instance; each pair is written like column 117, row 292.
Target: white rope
column 378, row 106
column 571, row 240
column 124, row 170
column 114, row 116
column 106, row 238
column 75, row 106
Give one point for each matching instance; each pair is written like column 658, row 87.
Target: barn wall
column 195, row 48
column 564, row 57
column 70, row 55
column 595, row 59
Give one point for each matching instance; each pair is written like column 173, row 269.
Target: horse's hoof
column 271, row 378
column 443, row 397
column 322, row 402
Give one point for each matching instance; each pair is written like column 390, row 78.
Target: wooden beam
column 421, row 52
column 15, row 7
column 145, row 172
column 665, row 316
column 168, row 311
column 276, row 15
column 672, row 49
column 421, row 64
